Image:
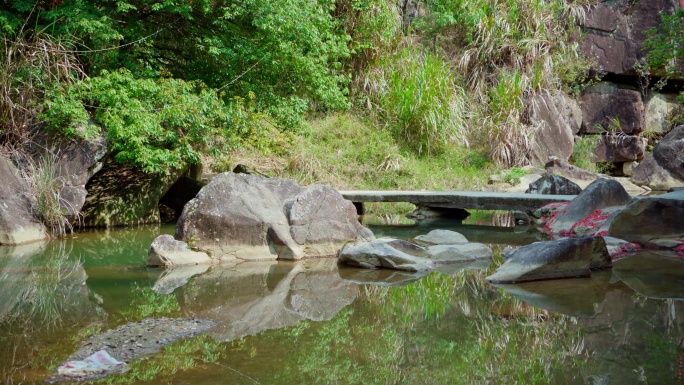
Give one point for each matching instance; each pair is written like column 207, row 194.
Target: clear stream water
column 315, row 323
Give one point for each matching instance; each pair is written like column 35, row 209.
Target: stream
column 312, row 322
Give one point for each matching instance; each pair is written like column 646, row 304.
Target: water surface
column 315, row 323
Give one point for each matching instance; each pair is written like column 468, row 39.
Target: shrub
column 157, row 124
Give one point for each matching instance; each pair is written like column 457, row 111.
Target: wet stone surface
column 143, row 337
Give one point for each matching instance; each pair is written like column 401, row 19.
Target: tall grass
column 43, row 189
column 30, row 64
column 416, row 96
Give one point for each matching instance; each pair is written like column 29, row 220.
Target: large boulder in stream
column 600, row 194
column 565, row 258
column 18, row 225
column 651, row 219
column 396, row 254
column 247, row 217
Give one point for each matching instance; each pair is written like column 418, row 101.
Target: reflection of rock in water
column 41, row 285
column 169, row 279
column 633, row 337
column 652, row 274
column 253, row 297
column 574, row 297
column 379, row 277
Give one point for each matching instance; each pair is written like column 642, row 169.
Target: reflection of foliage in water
column 147, row 303
column 442, row 329
column 181, row 355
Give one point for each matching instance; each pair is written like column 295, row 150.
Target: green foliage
column 367, row 157
column 416, row 97
column 513, row 175
column 665, row 44
column 583, row 152
column 155, row 124
column 147, row 303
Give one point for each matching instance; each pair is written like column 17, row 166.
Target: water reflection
column 482, row 233
column 250, row 298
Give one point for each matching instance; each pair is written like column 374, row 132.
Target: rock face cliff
column 615, row 32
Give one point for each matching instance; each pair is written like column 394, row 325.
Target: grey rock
column 569, row 110
column 441, row 237
column 620, row 148
column 598, row 195
column 608, row 108
column 246, row 217
column 565, row 258
column 322, row 221
column 658, row 111
column 448, row 254
column 669, row 152
column 168, row 252
column 386, row 253
column 653, row 217
column 18, row 224
column 76, row 160
column 552, row 134
column 651, row 174
column 552, row 184
column 560, row 167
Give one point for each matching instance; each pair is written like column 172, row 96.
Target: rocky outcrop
column 669, row 152
column 600, row 194
column 18, row 224
column 650, row 219
column 246, row 217
column 620, row 149
column 76, row 161
column 553, row 135
column 168, row 252
column 662, row 169
column 401, row 255
column 121, row 195
column 615, row 32
column 565, row 258
column 552, row 184
column 607, row 108
column 659, row 110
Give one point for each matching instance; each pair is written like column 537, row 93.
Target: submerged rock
column 380, row 277
column 135, row 339
column 652, row 274
column 441, row 237
column 565, row 258
column 651, row 218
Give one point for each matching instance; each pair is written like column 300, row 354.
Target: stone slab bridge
column 480, row 200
